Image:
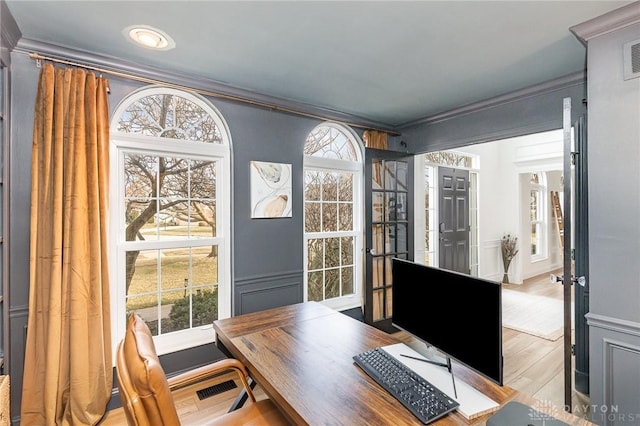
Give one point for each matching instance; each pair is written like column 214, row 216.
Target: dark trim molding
column 569, row 80
column 117, row 65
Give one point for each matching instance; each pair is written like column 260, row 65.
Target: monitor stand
column 473, row 403
column 447, row 365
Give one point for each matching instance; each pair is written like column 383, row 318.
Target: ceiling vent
column 631, row 59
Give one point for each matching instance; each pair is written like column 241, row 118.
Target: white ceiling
column 390, row 62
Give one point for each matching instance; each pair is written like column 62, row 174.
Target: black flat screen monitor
column 460, row 315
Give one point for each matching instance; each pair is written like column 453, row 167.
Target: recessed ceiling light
column 149, row 37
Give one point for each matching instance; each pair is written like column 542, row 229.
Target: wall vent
column 631, row 53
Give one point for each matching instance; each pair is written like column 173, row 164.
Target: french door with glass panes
column 388, row 206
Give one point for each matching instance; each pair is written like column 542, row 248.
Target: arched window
column 170, row 216
column 333, row 211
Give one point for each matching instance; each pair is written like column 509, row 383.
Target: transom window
column 332, row 216
column 170, row 174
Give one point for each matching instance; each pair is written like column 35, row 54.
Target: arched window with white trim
column 333, row 212
column 170, row 216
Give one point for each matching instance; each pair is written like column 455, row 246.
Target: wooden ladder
column 557, row 212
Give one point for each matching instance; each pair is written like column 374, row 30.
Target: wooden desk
column 301, row 355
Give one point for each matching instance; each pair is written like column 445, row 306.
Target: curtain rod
column 38, row 57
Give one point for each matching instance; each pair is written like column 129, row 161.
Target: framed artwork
column 270, row 190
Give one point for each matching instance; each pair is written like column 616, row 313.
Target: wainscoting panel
column 267, row 291
column 615, row 346
column 491, row 261
column 622, row 373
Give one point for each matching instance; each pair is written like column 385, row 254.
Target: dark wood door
column 389, row 230
column 454, row 219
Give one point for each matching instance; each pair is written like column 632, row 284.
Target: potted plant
column 509, row 248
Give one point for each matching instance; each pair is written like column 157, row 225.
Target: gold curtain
column 375, row 139
column 68, row 369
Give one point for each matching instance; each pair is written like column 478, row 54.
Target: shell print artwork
column 270, row 190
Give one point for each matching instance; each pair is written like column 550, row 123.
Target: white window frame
column 122, row 143
column 356, row 168
column 541, row 222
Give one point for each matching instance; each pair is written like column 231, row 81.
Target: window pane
column 149, row 314
column 378, row 300
column 145, row 280
column 329, row 217
column 204, row 266
column 378, row 272
column 169, row 116
column 401, row 206
column 346, row 248
column 347, row 280
column 401, row 175
column 390, row 175
column 332, row 283
column 314, row 285
column 312, row 186
column 377, row 201
column 174, row 269
column 345, row 186
column 390, row 246
column 534, row 205
column 202, row 196
column 204, row 307
column 378, row 239
column 169, row 301
column 329, row 187
column 332, row 252
column 314, row 254
column 138, row 182
column 329, row 142
column 376, row 174
column 346, row 217
column 312, row 217
column 401, row 238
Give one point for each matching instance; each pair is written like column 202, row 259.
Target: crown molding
column 9, row 31
column 569, row 80
column 609, row 22
column 123, row 69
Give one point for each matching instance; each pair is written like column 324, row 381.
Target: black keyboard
column 424, row 400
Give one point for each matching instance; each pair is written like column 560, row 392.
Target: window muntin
column 332, row 212
column 170, row 168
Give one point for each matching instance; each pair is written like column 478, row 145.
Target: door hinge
column 573, row 349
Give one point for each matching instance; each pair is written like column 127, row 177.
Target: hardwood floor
column 532, row 365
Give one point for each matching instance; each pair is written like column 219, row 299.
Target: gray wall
column 531, row 110
column 267, row 254
column 614, row 236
